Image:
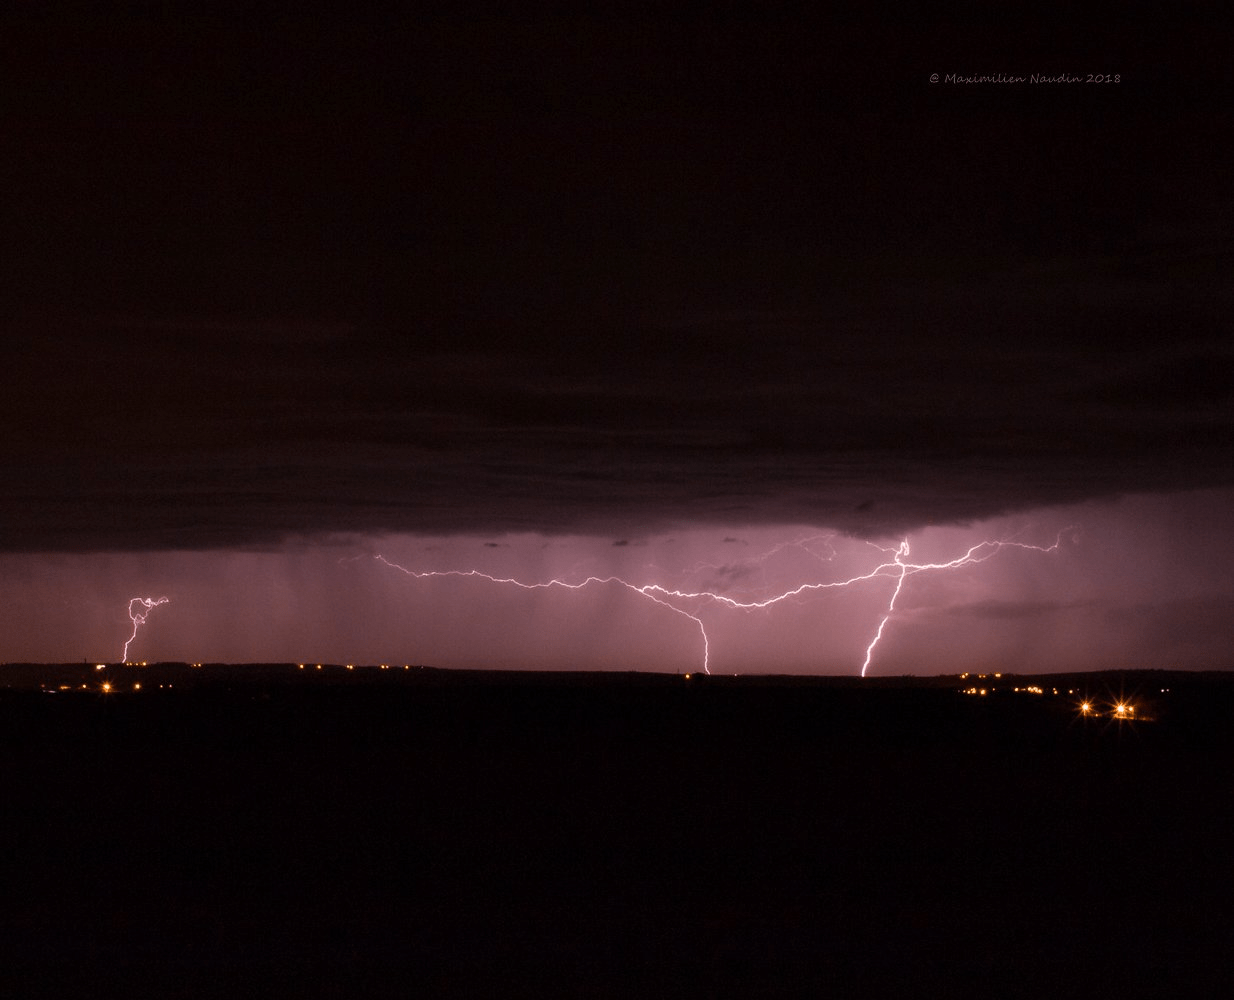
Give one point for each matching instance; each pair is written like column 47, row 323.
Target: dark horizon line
column 309, row 668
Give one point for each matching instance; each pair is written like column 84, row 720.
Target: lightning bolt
column 896, row 566
column 652, row 592
column 138, row 618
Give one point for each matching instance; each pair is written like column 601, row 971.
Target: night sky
column 725, row 304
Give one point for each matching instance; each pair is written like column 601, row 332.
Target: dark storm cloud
column 721, row 577
column 177, row 436
column 592, row 277
column 1011, row 610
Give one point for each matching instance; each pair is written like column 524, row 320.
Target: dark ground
column 641, row 838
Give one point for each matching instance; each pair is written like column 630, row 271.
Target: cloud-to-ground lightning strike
column 897, row 567
column 138, row 618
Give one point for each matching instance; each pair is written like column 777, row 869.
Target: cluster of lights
column 1029, row 689
column 1118, row 710
column 348, row 666
column 1122, row 710
column 105, row 688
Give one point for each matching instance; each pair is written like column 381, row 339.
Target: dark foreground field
column 486, row 838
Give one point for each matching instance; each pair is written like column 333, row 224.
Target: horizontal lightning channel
column 896, row 567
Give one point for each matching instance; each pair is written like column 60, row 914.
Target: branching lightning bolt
column 652, row 592
column 896, row 566
column 138, row 618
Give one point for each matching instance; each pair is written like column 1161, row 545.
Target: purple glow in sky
column 1138, row 582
